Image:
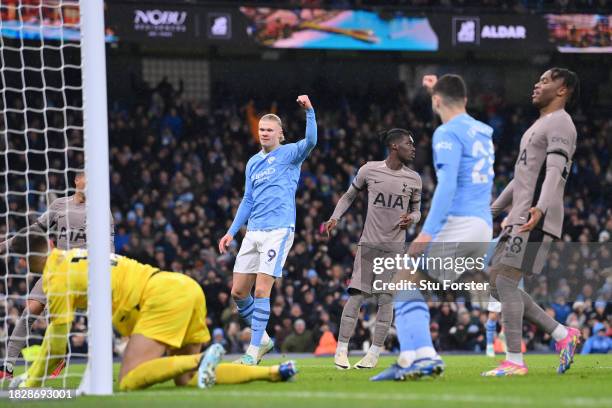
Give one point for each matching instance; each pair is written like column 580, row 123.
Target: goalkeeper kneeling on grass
column 163, row 313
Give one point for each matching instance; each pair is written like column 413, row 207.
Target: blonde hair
column 274, row 118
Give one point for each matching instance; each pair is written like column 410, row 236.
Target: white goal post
column 98, row 379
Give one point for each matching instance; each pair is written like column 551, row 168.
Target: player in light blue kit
column 463, row 158
column 269, row 207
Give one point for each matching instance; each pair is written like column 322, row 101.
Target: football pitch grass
column 318, row 384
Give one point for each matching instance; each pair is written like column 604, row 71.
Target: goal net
column 44, row 170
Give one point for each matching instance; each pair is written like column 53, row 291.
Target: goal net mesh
column 41, row 145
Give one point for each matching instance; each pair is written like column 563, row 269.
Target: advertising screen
column 580, row 33
column 339, row 29
column 43, row 20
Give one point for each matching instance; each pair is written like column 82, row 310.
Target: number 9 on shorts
column 264, row 251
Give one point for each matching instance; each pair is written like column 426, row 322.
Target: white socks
column 516, row 358
column 374, row 350
column 426, row 352
column 342, row 348
column 559, row 333
column 253, row 351
column 406, row 358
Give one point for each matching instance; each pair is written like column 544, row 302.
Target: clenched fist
column 304, row 102
column 429, row 81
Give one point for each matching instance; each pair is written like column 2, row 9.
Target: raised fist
column 304, row 102
column 429, row 81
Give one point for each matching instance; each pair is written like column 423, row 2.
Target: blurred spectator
column 234, row 344
column 468, row 333
column 599, row 342
column 446, row 320
column 300, row 341
column 218, row 337
column 562, row 309
column 78, row 344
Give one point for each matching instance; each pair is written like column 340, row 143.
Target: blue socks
column 259, row 320
column 255, row 313
column 419, row 319
column 405, row 314
column 245, row 308
column 412, row 324
column 491, row 329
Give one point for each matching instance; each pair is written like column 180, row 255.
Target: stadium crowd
column 177, row 174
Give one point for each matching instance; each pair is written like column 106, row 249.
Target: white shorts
column 464, row 229
column 264, row 252
column 494, row 305
column 460, row 237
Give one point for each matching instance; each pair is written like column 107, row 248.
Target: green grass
column 319, row 384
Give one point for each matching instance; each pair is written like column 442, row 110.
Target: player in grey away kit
column 535, row 218
column 394, row 203
column 65, row 219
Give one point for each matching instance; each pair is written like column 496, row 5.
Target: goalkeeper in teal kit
column 268, row 208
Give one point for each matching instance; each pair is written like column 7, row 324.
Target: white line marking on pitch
column 579, row 401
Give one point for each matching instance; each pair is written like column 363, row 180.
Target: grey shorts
column 37, row 292
column 363, row 276
column 526, row 251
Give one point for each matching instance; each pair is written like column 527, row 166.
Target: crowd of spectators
column 190, row 164
column 177, row 177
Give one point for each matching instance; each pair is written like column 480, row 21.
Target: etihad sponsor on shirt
column 264, row 173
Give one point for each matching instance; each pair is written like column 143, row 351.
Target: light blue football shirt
column 271, row 183
column 463, row 156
